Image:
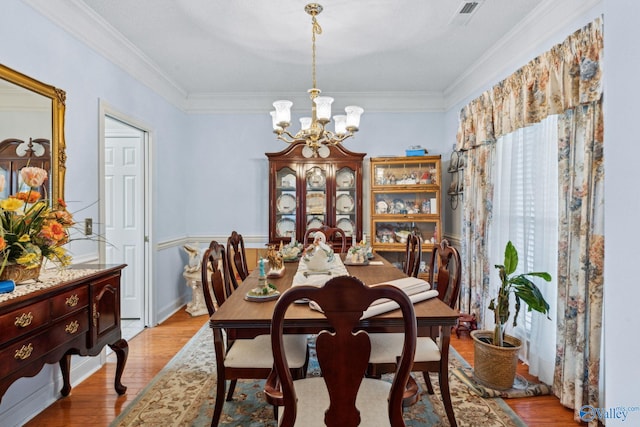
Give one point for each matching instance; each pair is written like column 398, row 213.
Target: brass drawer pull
column 24, row 352
column 72, row 327
column 72, row 301
column 24, row 320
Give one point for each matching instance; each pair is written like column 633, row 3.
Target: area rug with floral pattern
column 183, row 394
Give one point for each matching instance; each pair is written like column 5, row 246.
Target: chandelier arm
column 331, row 138
column 287, row 137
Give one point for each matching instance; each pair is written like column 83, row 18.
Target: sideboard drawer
column 24, row 320
column 29, row 349
column 69, row 302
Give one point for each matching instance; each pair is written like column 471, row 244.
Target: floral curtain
column 580, row 256
column 565, row 80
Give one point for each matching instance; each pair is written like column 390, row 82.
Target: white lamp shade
column 283, row 112
column 353, row 117
column 274, row 122
column 305, row 123
column 323, row 107
column 340, row 124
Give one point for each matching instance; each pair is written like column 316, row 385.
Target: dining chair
column 335, row 235
column 236, row 258
column 445, row 268
column 343, row 396
column 241, row 358
column 413, row 255
column 444, row 272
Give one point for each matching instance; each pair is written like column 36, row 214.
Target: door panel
column 124, row 222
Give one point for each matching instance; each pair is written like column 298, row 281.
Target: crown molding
column 513, row 50
column 550, row 17
column 78, row 19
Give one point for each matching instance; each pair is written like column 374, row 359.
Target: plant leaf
column 528, row 292
column 510, row 258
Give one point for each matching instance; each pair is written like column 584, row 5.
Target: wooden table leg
column 121, row 348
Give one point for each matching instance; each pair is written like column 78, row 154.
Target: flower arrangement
column 31, row 229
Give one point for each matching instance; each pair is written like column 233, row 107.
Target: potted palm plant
column 495, row 353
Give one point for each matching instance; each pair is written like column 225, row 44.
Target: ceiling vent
column 465, row 12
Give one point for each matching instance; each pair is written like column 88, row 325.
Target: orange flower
column 27, row 196
column 53, row 231
column 63, row 217
column 3, row 244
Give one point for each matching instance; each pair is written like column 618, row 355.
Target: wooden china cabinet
column 405, row 198
column 309, row 192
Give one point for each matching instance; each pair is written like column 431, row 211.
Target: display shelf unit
column 310, row 192
column 405, row 197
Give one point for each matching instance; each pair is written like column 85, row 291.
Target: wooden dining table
column 248, row 318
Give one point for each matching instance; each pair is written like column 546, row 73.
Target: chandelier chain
column 315, row 29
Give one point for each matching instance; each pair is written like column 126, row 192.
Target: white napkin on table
column 417, row 289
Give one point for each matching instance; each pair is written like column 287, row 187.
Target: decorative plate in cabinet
column 316, row 181
column 346, row 225
column 344, row 203
column 345, row 179
column 315, row 203
column 314, row 222
column 286, row 227
column 286, row 203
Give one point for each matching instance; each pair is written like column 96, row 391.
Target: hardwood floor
column 95, row 403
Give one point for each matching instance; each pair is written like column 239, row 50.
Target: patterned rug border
column 185, row 372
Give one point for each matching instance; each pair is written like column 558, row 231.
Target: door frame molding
column 149, row 315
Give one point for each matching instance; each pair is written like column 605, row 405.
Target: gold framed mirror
column 18, row 95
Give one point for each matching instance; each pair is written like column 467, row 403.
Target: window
column 525, row 211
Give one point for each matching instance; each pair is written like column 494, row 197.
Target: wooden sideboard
column 73, row 312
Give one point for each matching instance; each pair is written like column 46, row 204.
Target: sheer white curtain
column 525, row 211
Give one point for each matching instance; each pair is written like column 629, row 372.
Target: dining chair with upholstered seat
column 444, row 272
column 236, row 258
column 413, row 255
column 336, row 237
column 240, row 358
column 342, row 396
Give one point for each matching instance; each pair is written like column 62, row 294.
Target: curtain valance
column 567, row 75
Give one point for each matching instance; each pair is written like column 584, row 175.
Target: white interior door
column 124, row 213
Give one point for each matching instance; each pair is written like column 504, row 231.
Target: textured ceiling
column 209, row 46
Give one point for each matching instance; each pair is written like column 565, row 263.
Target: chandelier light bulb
column 340, row 122
column 305, row 123
column 283, row 113
column 353, row 117
column 274, row 122
column 323, row 108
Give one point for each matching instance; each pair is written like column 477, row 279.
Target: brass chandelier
column 313, row 131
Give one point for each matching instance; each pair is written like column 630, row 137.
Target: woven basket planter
column 494, row 366
column 18, row 273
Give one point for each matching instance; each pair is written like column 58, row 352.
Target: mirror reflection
column 31, row 132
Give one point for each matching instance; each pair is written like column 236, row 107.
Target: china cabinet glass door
column 286, row 202
column 316, row 197
column 346, row 196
